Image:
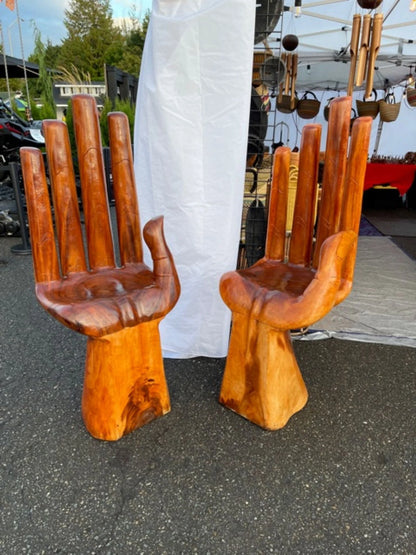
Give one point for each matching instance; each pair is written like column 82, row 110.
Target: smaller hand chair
column 262, row 380
column 117, row 308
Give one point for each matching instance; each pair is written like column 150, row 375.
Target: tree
column 44, row 85
column 134, row 44
column 93, row 39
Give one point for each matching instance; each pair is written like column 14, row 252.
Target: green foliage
column 14, row 84
column 93, row 39
column 46, row 111
column 70, row 124
column 119, row 106
column 43, row 86
column 107, row 108
column 42, row 112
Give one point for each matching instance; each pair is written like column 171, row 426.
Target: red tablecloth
column 400, row 176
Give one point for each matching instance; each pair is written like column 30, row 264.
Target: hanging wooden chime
column 364, row 51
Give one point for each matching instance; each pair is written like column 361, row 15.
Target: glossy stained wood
column 126, row 368
column 262, row 381
column 118, row 308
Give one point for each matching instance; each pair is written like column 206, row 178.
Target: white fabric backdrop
column 190, row 141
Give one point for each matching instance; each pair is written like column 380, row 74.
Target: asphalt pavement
column 338, row 479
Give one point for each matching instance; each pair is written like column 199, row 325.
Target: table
column 400, row 176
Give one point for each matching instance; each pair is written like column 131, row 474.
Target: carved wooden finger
column 128, row 222
column 334, row 171
column 276, row 228
column 65, row 200
column 45, row 258
column 93, row 186
column 300, row 250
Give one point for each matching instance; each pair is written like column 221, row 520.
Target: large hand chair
column 118, row 307
column 262, row 380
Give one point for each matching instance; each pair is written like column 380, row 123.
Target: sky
column 48, row 15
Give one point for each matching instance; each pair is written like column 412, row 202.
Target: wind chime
column 287, row 95
column 364, row 52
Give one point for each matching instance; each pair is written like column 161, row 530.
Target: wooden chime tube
column 293, row 82
column 282, row 83
column 374, row 48
column 364, row 45
column 355, row 37
column 288, row 73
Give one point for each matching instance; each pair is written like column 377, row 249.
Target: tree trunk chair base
column 124, row 385
column 262, row 381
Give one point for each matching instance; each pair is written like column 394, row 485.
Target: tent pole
column 29, row 113
column 378, row 137
column 6, row 73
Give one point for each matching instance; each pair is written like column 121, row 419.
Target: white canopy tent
column 324, row 32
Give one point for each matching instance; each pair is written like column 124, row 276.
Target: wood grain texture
column 262, row 381
column 124, row 383
column 118, row 308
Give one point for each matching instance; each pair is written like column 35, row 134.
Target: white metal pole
column 29, row 113
column 6, row 72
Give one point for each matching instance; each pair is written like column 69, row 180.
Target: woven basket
column 287, row 104
column 308, row 108
column 411, row 96
column 389, row 108
column 368, row 107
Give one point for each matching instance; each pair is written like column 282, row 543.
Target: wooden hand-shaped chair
column 262, row 381
column 117, row 308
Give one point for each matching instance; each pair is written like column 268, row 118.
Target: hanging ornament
column 369, row 4
column 290, row 42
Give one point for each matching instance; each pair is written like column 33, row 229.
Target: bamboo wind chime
column 288, row 85
column 364, row 52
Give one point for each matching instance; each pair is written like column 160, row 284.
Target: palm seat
column 118, row 307
column 282, row 292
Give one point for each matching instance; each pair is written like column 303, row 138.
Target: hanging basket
column 368, row 107
column 287, row 104
column 389, row 108
column 411, row 96
column 308, row 106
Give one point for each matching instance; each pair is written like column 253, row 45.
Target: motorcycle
column 15, row 132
